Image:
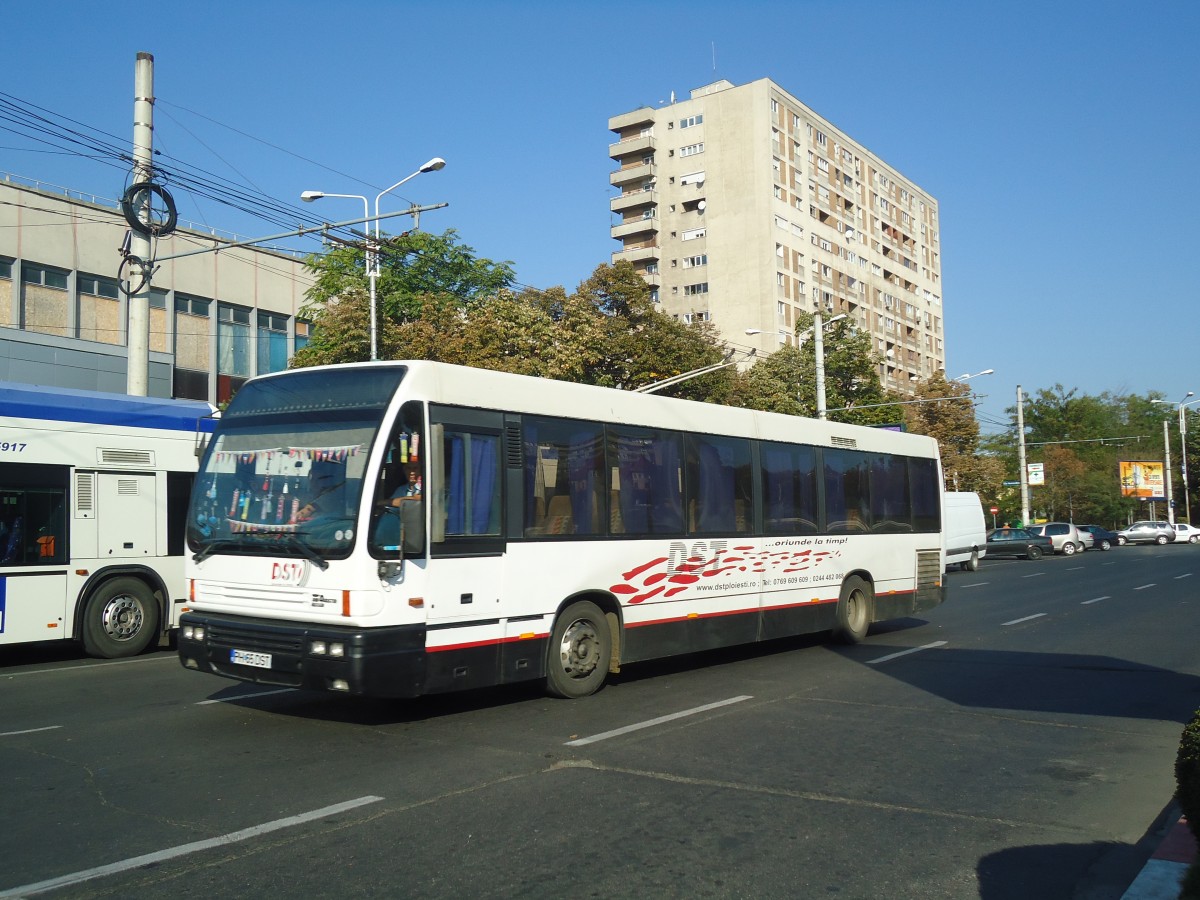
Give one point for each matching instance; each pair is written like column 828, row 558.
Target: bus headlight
column 337, row 648
column 318, row 648
column 193, row 632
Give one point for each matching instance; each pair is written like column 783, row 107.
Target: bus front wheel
column 853, row 611
column 580, row 647
column 121, row 619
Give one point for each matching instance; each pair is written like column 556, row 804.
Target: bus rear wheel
column 121, row 619
column 580, row 647
column 853, row 611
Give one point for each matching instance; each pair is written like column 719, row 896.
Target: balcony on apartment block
column 636, row 255
column 638, row 145
column 635, row 226
column 633, row 200
column 639, row 172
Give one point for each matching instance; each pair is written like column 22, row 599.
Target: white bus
column 555, row 531
column 93, row 493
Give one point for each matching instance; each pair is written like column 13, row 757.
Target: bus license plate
column 250, row 658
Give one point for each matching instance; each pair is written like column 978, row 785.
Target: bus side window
column 32, row 529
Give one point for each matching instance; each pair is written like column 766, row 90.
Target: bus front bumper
column 377, row 662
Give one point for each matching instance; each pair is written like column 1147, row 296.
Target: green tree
column 785, row 381
column 952, row 422
column 418, row 272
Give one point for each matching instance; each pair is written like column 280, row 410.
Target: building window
column 272, row 343
column 99, row 309
column 691, row 262
column 302, row 334
column 691, row 149
column 690, row 121
column 160, row 331
column 6, row 295
column 692, row 235
column 691, row 290
column 193, row 346
column 45, row 299
column 821, row 139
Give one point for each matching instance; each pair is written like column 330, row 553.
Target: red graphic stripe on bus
column 645, row 581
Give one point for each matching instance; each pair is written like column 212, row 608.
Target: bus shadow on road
column 1065, row 683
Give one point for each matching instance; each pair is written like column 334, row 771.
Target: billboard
column 1142, row 479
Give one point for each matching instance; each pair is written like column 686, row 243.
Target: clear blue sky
column 1060, row 137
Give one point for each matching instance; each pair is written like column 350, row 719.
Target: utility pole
column 819, row 356
column 1021, row 457
column 138, row 342
column 1167, row 472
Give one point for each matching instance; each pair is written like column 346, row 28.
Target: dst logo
column 287, row 573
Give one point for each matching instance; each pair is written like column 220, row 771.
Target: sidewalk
column 1161, row 876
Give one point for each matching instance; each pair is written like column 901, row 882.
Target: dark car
column 1102, row 538
column 1018, row 542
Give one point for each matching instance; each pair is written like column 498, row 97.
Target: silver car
column 1063, row 535
column 1147, row 533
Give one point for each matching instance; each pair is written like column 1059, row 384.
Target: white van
column 964, row 531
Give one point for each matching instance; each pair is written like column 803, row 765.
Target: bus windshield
column 284, row 473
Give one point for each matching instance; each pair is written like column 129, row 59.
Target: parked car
column 1063, row 535
column 1147, row 533
column 1087, row 542
column 1102, row 538
column 1018, row 542
column 1185, row 532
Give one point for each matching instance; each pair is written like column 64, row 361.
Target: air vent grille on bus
column 85, row 494
column 110, row 457
column 514, row 458
column 929, row 578
column 847, row 443
column 127, row 487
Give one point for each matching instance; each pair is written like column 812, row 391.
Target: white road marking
column 1184, row 575
column 29, row 731
column 244, row 696
column 1034, row 575
column 28, row 890
column 99, row 665
column 1026, row 619
column 891, row 656
column 1144, row 586
column 579, row 742
column 1075, row 569
column 1094, row 600
column 976, row 584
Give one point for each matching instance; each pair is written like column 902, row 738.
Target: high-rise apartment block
column 742, row 206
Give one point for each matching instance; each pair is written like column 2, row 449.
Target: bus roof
column 35, row 401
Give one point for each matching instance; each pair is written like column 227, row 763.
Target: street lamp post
column 976, row 375
column 1187, row 504
column 817, row 328
column 372, row 253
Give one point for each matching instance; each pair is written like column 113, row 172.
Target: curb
column 1161, row 877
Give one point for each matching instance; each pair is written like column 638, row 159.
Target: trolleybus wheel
column 580, row 647
column 121, row 619
column 853, row 611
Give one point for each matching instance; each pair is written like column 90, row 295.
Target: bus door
column 33, row 556
column 465, row 598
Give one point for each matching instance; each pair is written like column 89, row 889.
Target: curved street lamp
column 372, row 254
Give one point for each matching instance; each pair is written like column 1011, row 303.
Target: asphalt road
column 1018, row 741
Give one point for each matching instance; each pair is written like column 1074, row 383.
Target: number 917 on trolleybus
column 397, row 529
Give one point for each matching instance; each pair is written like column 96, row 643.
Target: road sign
column 1011, row 483
column 994, row 510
